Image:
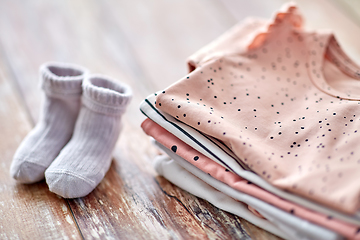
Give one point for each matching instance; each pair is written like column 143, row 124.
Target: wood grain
column 144, row 44
column 27, row 211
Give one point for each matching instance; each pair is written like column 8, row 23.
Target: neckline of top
column 323, row 45
column 320, row 45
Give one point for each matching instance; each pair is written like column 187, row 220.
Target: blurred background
column 144, row 43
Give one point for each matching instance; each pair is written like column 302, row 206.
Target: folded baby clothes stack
column 266, row 127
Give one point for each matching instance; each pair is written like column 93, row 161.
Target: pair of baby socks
column 72, row 143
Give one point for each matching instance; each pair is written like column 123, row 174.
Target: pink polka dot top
column 284, row 100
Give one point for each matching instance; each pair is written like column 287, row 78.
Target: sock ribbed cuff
column 62, row 79
column 104, row 95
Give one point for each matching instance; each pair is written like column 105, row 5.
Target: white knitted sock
column 84, row 161
column 62, row 86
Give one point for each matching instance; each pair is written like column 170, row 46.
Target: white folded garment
column 176, row 174
column 188, row 177
column 219, row 153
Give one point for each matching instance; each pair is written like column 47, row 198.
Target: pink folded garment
column 287, row 105
column 220, row 173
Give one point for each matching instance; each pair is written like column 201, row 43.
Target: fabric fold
column 62, row 80
column 232, row 180
column 101, row 94
column 274, row 106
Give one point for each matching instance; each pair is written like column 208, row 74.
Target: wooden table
column 144, row 44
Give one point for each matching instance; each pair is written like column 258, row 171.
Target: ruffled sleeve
column 246, row 35
column 287, row 18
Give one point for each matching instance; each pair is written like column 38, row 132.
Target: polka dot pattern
column 226, row 176
column 288, row 106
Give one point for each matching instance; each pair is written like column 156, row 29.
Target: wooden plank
column 27, row 211
column 148, row 208
column 155, row 44
column 143, row 43
column 130, row 202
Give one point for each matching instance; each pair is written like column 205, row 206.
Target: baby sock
column 84, row 161
column 62, row 86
